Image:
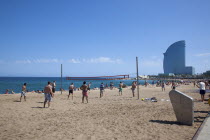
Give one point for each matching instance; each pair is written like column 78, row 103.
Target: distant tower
column 174, row 59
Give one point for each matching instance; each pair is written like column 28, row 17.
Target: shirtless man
column 23, row 93
column 163, row 86
column 133, row 88
column 120, row 88
column 101, row 90
column 71, row 90
column 84, row 89
column 48, row 94
column 111, row 86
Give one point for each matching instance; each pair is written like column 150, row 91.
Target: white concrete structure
column 183, row 107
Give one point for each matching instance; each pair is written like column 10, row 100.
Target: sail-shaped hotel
column 174, row 60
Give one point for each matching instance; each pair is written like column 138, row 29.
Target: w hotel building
column 174, row 60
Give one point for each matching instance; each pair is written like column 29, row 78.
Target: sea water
column 38, row 83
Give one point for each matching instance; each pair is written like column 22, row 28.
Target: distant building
column 207, row 73
column 143, row 77
column 174, row 60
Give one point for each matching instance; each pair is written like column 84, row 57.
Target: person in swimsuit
column 23, row 93
column 202, row 86
column 101, row 90
column 84, row 88
column 120, row 88
column 163, row 86
column 111, row 86
column 48, row 94
column 71, row 90
column 133, row 88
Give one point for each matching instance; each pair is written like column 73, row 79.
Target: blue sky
column 100, row 37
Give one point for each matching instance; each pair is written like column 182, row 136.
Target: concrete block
column 183, row 107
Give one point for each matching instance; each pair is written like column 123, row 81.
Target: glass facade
column 174, row 60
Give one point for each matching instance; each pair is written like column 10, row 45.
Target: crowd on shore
column 50, row 88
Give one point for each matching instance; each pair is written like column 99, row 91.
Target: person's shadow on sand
column 40, row 102
column 200, row 111
column 199, row 119
column 37, row 107
column 17, row 101
column 165, row 122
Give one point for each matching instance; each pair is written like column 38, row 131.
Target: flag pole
column 61, row 77
column 137, row 72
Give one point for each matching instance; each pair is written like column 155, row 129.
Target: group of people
column 49, row 90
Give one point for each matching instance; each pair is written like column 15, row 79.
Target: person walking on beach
column 163, row 86
column 194, row 83
column 23, row 93
column 101, row 90
column 84, row 88
column 173, row 85
column 48, row 94
column 111, row 86
column 133, row 87
column 120, row 88
column 71, row 90
column 53, row 86
column 202, row 88
column 153, row 83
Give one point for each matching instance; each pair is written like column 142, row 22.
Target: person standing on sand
column 194, row 83
column 48, row 94
column 173, row 85
column 133, row 87
column 71, row 90
column 120, row 88
column 84, row 88
column 202, row 88
column 89, row 87
column 23, row 93
column 163, row 86
column 101, row 90
column 53, row 86
column 153, row 83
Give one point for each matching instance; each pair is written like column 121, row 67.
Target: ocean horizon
column 38, row 83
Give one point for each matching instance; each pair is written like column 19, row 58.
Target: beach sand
column 112, row 117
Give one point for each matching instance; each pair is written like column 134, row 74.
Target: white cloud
column 74, row 61
column 23, row 61
column 47, row 60
column 203, row 54
column 102, row 60
column 28, row 61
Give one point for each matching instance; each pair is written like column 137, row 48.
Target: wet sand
column 112, row 117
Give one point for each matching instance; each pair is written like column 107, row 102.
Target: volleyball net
column 115, row 77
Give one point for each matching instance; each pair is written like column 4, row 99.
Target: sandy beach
column 112, row 117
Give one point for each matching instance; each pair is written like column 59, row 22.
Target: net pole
column 61, row 77
column 137, row 72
